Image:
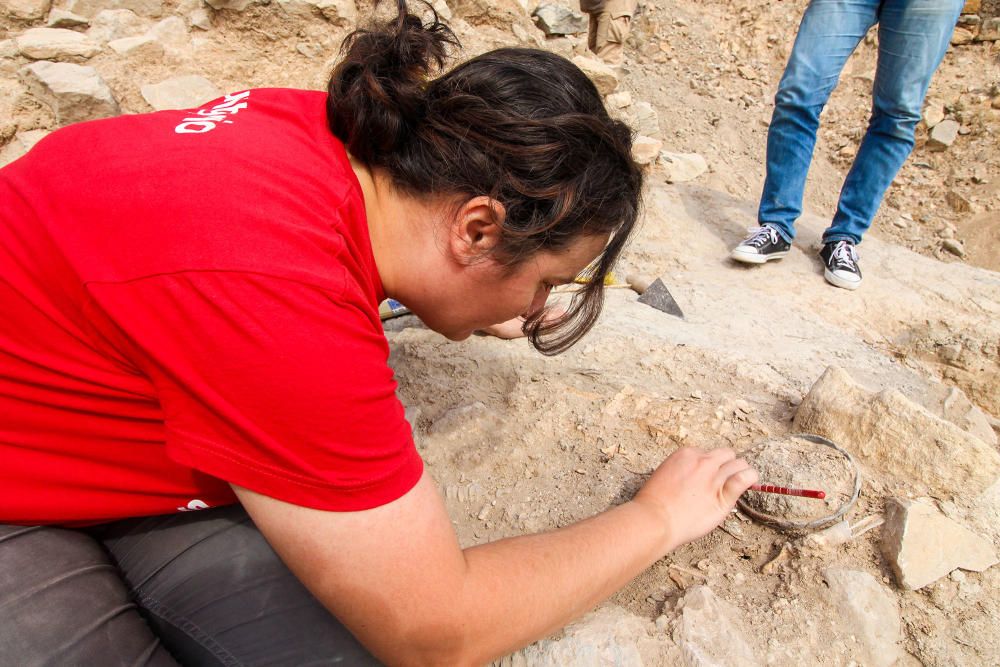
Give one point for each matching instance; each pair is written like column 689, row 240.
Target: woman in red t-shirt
column 203, row 457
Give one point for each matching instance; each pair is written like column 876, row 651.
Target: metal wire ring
column 815, row 524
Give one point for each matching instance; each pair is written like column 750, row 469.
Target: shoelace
column 761, row 235
column 845, row 255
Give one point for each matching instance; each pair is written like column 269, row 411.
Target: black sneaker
column 841, row 261
column 763, row 245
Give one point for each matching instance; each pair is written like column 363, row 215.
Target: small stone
column 60, row 18
column 848, row 151
column 954, row 247
column 681, row 167
column 962, row 36
column 25, row 10
column 645, row 120
column 619, row 100
column 933, row 113
column 603, row 76
column 646, row 149
column 146, row 45
column 73, row 92
column 90, row 8
column 958, row 203
column 180, row 92
column 232, row 5
column 171, row 32
column 520, row 33
column 56, row 44
column 943, row 135
column 972, row 6
column 922, row 545
column 115, row 24
column 308, row 50
column 557, row 20
column 901, row 222
column 989, row 31
column 335, row 11
column 20, row 145
column 200, row 18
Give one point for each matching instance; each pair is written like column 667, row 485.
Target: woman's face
column 489, row 293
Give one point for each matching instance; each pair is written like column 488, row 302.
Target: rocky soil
column 904, row 374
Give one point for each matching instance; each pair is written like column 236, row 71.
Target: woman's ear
column 476, row 229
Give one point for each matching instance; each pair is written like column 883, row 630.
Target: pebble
column 954, row 247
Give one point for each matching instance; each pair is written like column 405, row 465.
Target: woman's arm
column 397, row 578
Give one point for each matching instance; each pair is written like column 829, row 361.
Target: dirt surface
column 521, row 443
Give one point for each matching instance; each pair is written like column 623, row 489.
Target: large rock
column 681, row 167
column 894, row 435
column 91, row 8
column 869, row 613
column 599, row 72
column 56, row 44
column 180, row 92
column 709, row 631
column 557, row 20
column 922, row 545
column 25, row 10
column 943, row 135
column 74, row 92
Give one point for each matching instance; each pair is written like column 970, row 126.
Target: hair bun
column 376, row 93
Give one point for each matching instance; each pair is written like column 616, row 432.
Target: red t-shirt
column 187, row 299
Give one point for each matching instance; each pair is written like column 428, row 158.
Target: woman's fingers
column 738, row 482
column 722, row 454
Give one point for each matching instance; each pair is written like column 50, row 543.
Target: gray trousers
column 197, row 588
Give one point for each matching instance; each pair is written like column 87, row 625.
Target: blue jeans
column 913, row 37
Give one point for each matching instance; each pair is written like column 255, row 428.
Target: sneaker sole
column 747, row 258
column 837, row 281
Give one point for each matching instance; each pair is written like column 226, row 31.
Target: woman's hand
column 514, row 328
column 506, row 330
column 694, row 490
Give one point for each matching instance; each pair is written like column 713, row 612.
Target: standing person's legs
column 829, row 32
column 613, row 30
column 217, row 594
column 913, row 38
column 62, row 602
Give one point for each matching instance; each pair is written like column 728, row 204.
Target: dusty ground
column 522, row 443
